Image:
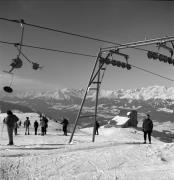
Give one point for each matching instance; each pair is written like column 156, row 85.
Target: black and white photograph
column 86, row 90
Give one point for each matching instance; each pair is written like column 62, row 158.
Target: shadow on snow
column 164, row 136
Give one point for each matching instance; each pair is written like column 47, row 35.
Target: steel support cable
column 164, row 77
column 21, row 40
column 48, row 49
column 57, row 50
column 68, row 33
column 59, row 31
column 83, row 36
column 6, row 42
column 24, row 56
column 69, row 52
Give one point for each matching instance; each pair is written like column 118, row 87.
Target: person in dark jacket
column 27, row 126
column 65, row 125
column 42, row 125
column 36, row 124
column 46, row 124
column 97, row 125
column 147, row 128
column 20, row 123
column 11, row 121
column 16, row 128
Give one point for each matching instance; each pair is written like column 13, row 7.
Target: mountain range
column 155, row 100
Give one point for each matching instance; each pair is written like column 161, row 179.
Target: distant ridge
column 4, row 106
column 144, row 93
column 156, row 100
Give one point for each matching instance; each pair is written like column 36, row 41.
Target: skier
column 16, row 128
column 27, row 125
column 42, row 125
column 16, row 63
column 97, row 125
column 46, row 124
column 10, row 121
column 65, row 124
column 20, row 123
column 147, row 128
column 36, row 124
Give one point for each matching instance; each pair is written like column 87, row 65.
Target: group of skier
column 43, row 125
column 27, row 124
column 12, row 122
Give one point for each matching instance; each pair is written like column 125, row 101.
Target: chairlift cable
column 24, row 56
column 68, row 33
column 57, row 50
column 6, row 42
column 12, row 78
column 59, row 31
column 164, row 77
column 21, row 40
column 48, row 49
column 81, row 54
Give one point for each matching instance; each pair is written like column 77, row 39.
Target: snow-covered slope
column 116, row 154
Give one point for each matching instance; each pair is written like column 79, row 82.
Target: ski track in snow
column 115, row 154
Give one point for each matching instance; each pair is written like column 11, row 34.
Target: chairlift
column 8, row 89
column 16, row 63
column 36, row 66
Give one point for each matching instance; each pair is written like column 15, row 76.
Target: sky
column 117, row 21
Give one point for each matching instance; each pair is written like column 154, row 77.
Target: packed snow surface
column 116, row 154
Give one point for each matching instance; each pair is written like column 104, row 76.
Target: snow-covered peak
column 144, row 93
column 151, row 92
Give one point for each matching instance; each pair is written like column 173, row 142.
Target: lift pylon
column 93, row 85
column 100, row 67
